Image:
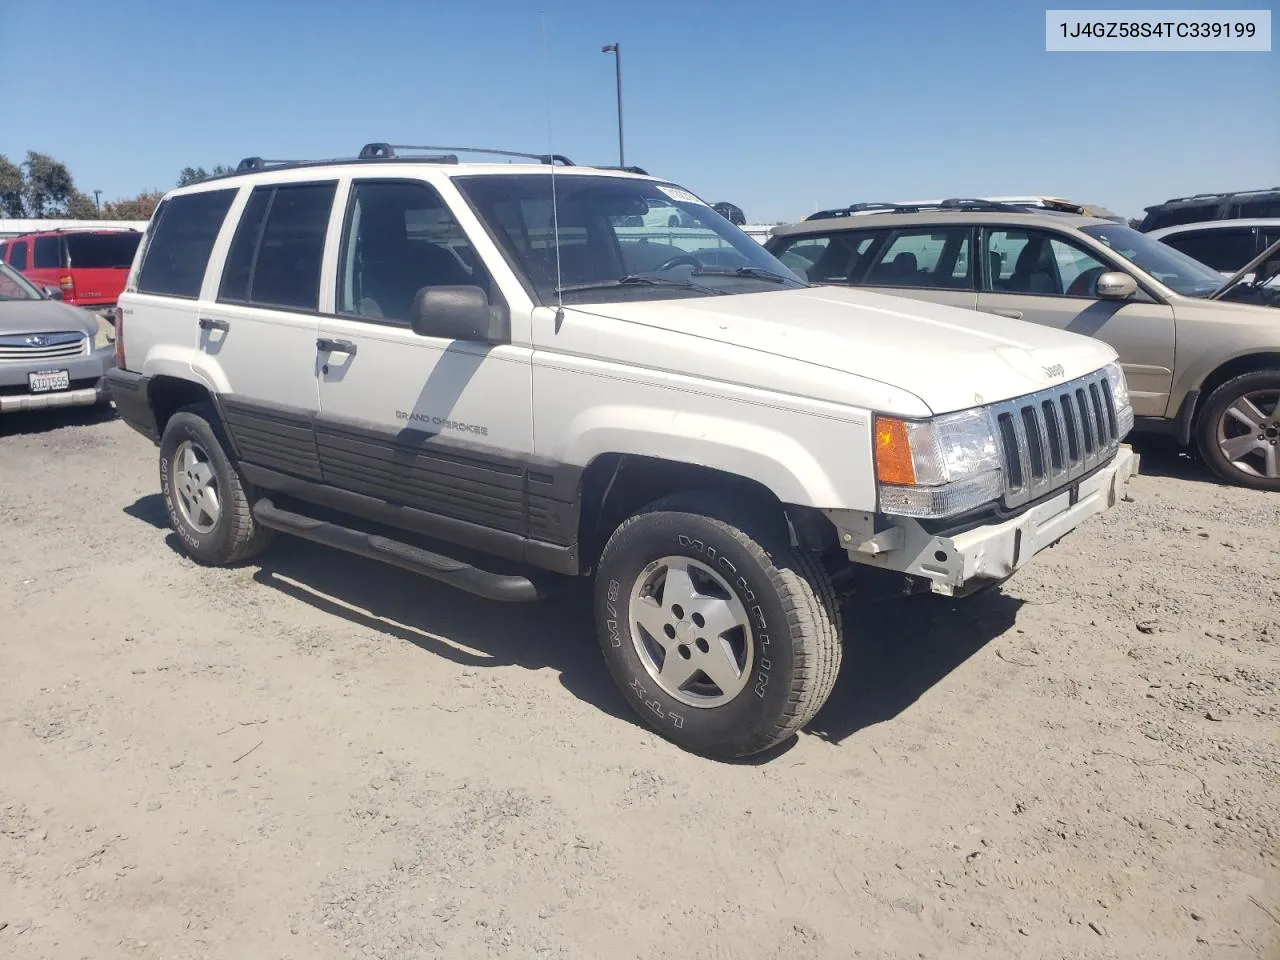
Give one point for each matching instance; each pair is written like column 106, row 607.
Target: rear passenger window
column 274, row 260
column 833, row 258
column 18, row 260
column 48, row 253
column 235, row 275
column 3, row 250
column 180, row 241
column 929, row 257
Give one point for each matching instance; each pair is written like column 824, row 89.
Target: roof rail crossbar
column 628, row 169
column 852, row 209
column 384, row 151
column 972, row 203
column 257, row 163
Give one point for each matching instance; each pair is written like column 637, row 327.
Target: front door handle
column 208, row 323
column 327, row 345
column 1011, row 314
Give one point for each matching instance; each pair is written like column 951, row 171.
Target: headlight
column 1120, row 396
column 938, row 467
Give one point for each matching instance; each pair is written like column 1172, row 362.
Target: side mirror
column 1114, row 285
column 459, row 313
column 53, row 293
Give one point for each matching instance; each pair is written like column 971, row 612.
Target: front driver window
column 401, row 237
column 1030, row 261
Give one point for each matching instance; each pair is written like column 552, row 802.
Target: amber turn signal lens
column 893, row 452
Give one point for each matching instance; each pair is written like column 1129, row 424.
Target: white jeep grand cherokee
column 488, row 374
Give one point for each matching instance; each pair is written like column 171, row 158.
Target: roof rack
column 640, row 170
column 387, row 151
column 416, row 154
column 250, row 164
column 970, row 204
column 1214, row 196
column 101, row 228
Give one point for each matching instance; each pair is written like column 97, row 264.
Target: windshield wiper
column 758, row 273
column 633, row 279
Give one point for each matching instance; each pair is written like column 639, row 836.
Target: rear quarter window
column 1258, row 208
column 101, row 250
column 180, row 243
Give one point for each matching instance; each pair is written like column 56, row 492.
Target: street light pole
column 616, row 50
column 96, row 202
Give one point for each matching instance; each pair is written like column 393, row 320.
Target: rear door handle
column 327, row 345
column 1011, row 314
column 208, row 323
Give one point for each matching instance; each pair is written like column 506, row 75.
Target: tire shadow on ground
column 1163, row 457
column 895, row 650
column 554, row 634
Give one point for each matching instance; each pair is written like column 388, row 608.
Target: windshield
column 1174, row 269
column 619, row 239
column 86, row 250
column 14, row 286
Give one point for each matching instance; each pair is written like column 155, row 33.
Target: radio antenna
column 551, row 149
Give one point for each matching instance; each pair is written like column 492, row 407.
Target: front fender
column 803, row 459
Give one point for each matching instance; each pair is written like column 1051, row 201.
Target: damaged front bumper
column 968, row 559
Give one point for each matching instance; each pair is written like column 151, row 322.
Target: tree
column 81, row 206
column 133, row 208
column 190, row 175
column 49, row 185
column 42, row 187
column 13, row 189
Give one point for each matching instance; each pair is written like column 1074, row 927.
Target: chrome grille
column 43, row 346
column 1055, row 436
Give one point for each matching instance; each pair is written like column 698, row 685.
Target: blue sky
column 779, row 107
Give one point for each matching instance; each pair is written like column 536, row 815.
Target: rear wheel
column 1239, row 430
column 203, row 494
column 723, row 638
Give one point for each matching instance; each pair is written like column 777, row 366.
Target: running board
column 455, row 573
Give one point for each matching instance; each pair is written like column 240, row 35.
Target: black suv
column 1239, row 205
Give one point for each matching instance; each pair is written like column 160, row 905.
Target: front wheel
column 724, row 638
column 1239, row 430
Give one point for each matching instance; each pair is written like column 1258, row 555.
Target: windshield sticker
column 683, row 196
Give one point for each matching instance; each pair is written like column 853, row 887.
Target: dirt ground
column 321, row 757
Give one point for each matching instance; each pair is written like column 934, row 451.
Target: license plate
column 46, row 381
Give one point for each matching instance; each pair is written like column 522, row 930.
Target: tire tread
column 247, row 538
column 804, row 587
column 1205, row 427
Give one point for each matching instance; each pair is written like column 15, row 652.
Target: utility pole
column 616, row 50
column 96, row 202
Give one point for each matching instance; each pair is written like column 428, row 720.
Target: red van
column 89, row 266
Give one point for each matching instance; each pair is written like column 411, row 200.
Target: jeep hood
column 948, row 357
